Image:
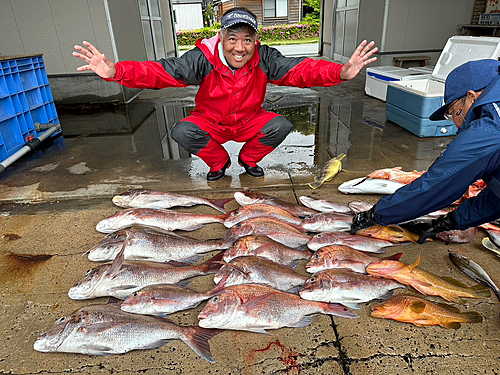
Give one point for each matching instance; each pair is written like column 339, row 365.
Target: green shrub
column 266, row 33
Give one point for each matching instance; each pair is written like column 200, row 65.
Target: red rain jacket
column 224, row 97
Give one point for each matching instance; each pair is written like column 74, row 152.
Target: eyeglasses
column 449, row 113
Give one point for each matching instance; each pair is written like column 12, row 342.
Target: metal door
column 345, row 29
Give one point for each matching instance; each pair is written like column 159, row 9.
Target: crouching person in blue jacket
column 472, row 102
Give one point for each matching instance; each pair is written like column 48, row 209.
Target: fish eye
column 215, row 299
column 86, row 273
column 135, row 294
column 312, row 279
column 60, row 320
column 239, row 225
column 317, row 256
column 319, row 236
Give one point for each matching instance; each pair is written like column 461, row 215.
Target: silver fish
column 322, row 205
column 257, row 270
column 105, row 329
column 245, row 198
column 357, row 242
column 327, row 222
column 265, row 247
column 152, row 244
column 347, row 287
column 284, row 233
column 259, row 210
column 474, row 271
column 255, row 308
column 143, row 198
column 120, row 279
column 164, row 299
column 364, row 185
column 158, row 218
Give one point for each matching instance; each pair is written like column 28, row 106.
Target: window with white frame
column 275, row 8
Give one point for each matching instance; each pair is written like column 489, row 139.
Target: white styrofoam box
column 377, row 79
column 424, row 69
column 410, row 103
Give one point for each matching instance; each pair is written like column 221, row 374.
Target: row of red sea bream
column 148, row 266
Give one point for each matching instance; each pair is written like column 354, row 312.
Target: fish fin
column 315, row 185
column 218, row 288
column 351, row 305
column 257, row 330
column 183, row 283
column 490, row 245
column 122, row 288
column 177, row 263
column 481, row 291
column 294, row 289
column 396, row 257
column 197, row 339
column 193, row 227
column 215, row 263
column 117, row 263
column 193, row 259
column 304, row 322
column 219, row 204
column 450, row 325
column 453, row 281
column 414, row 265
column 387, row 295
column 157, row 344
column 114, row 301
column 417, row 307
column 294, row 264
column 448, row 307
column 338, row 310
column 98, row 350
column 473, row 317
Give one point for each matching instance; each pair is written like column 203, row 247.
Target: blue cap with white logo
column 472, row 75
column 238, row 16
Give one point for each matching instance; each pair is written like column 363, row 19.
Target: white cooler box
column 378, row 78
column 410, row 103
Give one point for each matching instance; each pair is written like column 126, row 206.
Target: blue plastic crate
column 25, row 98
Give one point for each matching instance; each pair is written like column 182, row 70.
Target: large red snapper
column 287, row 234
column 346, row 287
column 418, row 311
column 256, row 308
column 259, row 210
column 158, row 218
column 265, row 247
column 362, row 243
column 257, row 270
column 250, row 197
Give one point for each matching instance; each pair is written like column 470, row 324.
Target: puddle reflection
column 324, row 128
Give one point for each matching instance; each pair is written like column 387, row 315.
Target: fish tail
column 481, row 291
column 473, row 317
column 316, row 184
column 395, row 257
column 219, row 204
column 197, row 339
column 214, row 264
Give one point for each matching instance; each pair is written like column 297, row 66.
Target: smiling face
column 238, row 46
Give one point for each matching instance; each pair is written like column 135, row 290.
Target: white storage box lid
column 460, row 49
column 394, row 73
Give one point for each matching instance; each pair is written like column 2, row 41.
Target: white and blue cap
column 239, row 16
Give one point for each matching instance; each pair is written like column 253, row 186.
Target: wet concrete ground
column 52, row 200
